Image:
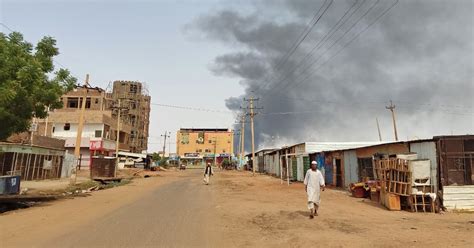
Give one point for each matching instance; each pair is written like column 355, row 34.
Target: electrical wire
column 54, row 60
column 333, row 44
column 347, row 44
column 193, row 108
column 321, row 42
column 315, row 20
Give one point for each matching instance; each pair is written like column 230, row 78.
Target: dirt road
column 171, row 211
column 236, row 210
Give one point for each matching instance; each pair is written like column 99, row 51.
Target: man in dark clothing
column 208, row 173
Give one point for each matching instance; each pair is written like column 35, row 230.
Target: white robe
column 313, row 180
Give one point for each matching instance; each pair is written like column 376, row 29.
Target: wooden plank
column 27, row 169
column 34, row 167
column 455, row 197
column 467, row 189
column 457, row 206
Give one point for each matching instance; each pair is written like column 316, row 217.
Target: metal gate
column 294, row 168
column 456, row 158
column 306, row 165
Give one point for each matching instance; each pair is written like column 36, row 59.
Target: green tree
column 156, row 156
column 28, row 82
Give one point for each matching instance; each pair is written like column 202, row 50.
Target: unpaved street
column 236, row 210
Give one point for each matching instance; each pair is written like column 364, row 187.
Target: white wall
column 427, row 150
column 87, row 132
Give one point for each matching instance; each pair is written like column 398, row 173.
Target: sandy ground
column 55, row 185
column 235, row 210
column 260, row 212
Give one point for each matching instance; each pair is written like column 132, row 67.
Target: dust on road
column 235, row 210
column 261, row 212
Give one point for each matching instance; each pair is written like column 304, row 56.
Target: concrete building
column 196, row 146
column 99, row 132
column 134, row 97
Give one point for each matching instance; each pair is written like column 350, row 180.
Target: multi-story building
column 99, row 132
column 134, row 98
column 197, row 146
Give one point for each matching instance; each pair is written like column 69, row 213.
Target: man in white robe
column 314, row 182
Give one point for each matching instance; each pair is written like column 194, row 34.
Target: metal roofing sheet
column 312, row 147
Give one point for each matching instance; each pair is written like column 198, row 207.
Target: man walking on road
column 313, row 182
column 208, row 173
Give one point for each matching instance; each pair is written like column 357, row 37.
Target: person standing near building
column 208, row 173
column 313, row 182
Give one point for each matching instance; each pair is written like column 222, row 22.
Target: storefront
column 191, row 159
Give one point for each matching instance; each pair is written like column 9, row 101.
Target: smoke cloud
column 419, row 54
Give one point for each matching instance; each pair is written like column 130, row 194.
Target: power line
column 321, row 42
column 316, row 111
column 400, row 103
column 54, row 60
column 338, row 103
column 193, row 108
column 5, row 26
column 328, row 49
column 301, row 38
column 346, row 45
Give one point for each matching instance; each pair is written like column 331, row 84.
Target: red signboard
column 95, row 145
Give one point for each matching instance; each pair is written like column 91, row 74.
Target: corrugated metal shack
column 272, row 159
column 352, row 165
column 31, row 162
column 456, row 171
column 298, row 157
column 451, row 165
column 338, row 161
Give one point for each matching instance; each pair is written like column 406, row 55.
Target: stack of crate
column 395, row 179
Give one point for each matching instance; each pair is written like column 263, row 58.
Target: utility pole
column 378, row 128
column 77, row 148
column 240, row 144
column 117, row 140
column 215, row 151
column 164, row 143
column 252, row 114
column 242, row 149
column 242, row 140
column 117, row 143
column 169, row 144
column 392, row 109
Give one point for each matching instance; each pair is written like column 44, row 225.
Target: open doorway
column 337, row 161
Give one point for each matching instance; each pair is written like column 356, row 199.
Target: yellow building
column 196, row 146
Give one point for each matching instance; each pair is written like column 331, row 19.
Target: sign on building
column 184, row 138
column 200, row 139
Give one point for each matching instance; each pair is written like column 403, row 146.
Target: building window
column 67, row 126
column 210, row 141
column 96, row 101
column 133, row 88
column 72, row 102
column 88, row 103
column 54, row 129
column 98, row 133
column 223, row 151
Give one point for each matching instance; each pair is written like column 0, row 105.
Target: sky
column 135, row 40
column 354, row 57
